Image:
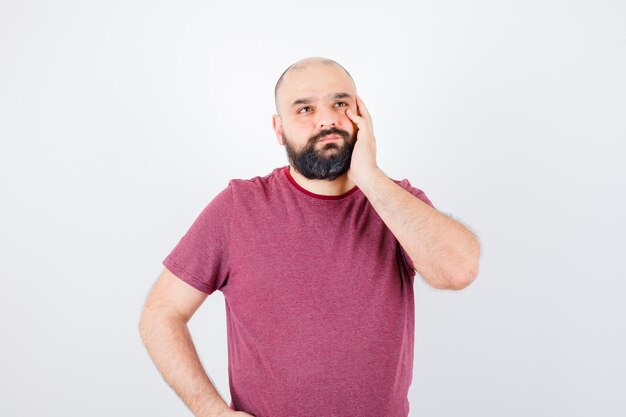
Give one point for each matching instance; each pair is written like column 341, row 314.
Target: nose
column 327, row 118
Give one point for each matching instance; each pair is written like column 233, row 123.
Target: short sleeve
column 422, row 196
column 201, row 256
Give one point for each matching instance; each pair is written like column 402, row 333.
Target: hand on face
column 364, row 153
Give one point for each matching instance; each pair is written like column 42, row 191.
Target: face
column 312, row 124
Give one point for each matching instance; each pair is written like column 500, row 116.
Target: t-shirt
column 318, row 295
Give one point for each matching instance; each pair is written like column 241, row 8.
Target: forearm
column 170, row 346
column 443, row 251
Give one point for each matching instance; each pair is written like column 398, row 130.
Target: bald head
column 305, row 63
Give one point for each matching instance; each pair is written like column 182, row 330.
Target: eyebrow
column 339, row 96
column 308, row 100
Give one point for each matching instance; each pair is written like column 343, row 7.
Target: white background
column 121, row 120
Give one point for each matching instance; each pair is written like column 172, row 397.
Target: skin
column 444, row 252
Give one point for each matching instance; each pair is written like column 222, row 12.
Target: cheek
column 349, row 125
column 299, row 133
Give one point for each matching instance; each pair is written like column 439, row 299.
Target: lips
column 329, row 137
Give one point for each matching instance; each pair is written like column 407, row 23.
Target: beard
column 323, row 163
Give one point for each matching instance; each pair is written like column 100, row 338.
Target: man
column 316, row 261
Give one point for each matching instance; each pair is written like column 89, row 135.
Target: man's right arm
column 163, row 329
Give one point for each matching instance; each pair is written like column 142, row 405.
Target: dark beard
column 314, row 164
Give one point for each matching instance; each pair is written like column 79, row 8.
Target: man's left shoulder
column 417, row 192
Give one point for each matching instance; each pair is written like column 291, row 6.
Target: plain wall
column 121, row 120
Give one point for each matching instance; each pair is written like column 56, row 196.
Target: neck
column 338, row 186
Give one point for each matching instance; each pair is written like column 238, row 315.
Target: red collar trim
column 320, row 196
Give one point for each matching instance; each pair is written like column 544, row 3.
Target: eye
column 341, row 104
column 305, row 109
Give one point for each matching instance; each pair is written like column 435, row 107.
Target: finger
column 360, row 105
column 358, row 120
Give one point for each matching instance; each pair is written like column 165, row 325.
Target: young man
column 316, row 261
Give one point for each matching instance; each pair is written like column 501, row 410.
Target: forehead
column 316, row 81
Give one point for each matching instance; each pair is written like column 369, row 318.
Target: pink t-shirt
column 318, row 293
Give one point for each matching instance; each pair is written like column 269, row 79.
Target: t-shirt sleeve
column 201, row 257
column 422, row 196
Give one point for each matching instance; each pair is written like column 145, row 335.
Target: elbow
column 464, row 270
column 464, row 275
column 462, row 280
column 467, row 268
column 153, row 320
column 456, row 271
column 453, row 280
column 147, row 323
column 143, row 326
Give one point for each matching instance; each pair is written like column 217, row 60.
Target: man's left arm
column 443, row 251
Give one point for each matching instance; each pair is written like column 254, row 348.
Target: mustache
column 332, row 131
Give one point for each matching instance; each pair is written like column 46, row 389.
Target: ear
column 277, row 124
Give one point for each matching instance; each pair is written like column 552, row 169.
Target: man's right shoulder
column 255, row 183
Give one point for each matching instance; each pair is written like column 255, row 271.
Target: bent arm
column 163, row 329
column 443, row 251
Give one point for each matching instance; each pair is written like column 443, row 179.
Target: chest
column 304, row 263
